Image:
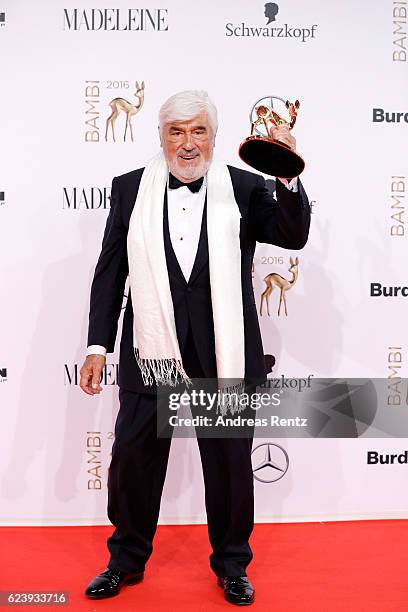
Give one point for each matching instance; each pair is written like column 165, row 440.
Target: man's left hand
column 282, row 133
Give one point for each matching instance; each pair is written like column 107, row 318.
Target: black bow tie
column 195, row 186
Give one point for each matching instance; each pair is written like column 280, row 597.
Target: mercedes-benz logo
column 276, row 103
column 272, row 462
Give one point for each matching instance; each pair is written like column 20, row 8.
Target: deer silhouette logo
column 120, row 104
column 276, row 280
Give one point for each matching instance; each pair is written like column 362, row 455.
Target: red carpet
column 359, row 566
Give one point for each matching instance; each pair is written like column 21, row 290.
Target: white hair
column 186, row 105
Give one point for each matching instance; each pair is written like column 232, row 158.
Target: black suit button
column 189, row 289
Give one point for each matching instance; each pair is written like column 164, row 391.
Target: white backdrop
column 55, row 441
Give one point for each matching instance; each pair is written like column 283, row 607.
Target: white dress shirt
column 185, row 212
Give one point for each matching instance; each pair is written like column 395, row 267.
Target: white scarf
column 154, row 331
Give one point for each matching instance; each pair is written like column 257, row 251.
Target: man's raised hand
column 282, row 133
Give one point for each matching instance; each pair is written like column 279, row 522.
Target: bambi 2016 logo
column 102, row 110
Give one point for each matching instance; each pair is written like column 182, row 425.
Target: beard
column 189, row 170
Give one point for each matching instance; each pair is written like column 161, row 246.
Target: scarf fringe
column 161, row 371
column 229, row 399
column 170, row 372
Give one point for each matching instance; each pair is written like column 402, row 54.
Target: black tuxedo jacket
column 283, row 222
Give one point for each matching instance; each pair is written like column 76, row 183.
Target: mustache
column 183, row 151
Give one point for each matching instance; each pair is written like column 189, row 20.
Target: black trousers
column 136, row 477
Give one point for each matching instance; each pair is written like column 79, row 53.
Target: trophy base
column 271, row 157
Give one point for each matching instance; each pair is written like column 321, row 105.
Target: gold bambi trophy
column 264, row 153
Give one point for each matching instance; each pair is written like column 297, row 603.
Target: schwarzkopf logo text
column 108, row 19
column 288, row 383
column 281, row 31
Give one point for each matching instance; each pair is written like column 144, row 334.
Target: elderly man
column 184, row 229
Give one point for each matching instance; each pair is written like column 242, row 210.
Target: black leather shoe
column 237, row 590
column 109, row 583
